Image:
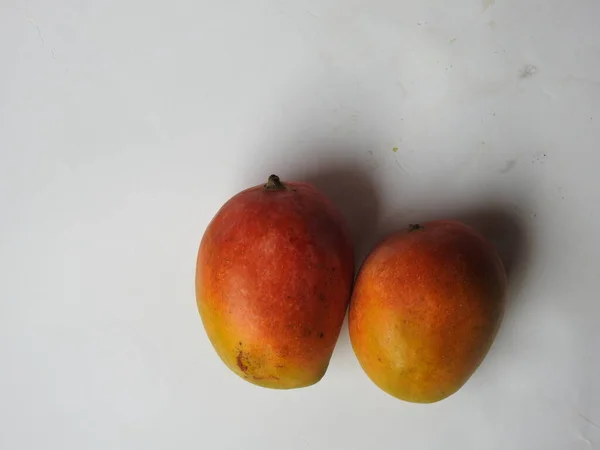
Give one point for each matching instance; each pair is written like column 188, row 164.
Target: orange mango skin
column 273, row 282
column 426, row 307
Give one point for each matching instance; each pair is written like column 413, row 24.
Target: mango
column 273, row 281
column 426, row 307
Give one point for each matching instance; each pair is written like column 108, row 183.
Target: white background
column 124, row 126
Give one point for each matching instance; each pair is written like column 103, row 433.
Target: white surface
column 124, row 125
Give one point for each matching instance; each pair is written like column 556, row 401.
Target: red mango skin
column 273, row 280
column 426, row 307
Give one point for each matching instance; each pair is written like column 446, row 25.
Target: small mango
column 427, row 304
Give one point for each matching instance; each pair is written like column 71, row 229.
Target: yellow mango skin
column 255, row 362
column 425, row 310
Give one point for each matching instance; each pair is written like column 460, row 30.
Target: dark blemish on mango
column 415, row 227
column 268, row 377
column 379, row 359
column 240, row 362
column 322, row 297
column 321, row 335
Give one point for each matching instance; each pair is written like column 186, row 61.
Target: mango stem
column 274, row 184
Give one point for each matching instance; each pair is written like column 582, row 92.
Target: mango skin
column 426, row 307
column 273, row 282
